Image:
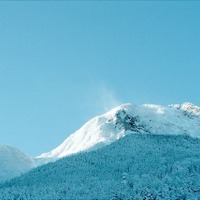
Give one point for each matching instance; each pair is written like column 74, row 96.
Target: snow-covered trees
column 135, row 167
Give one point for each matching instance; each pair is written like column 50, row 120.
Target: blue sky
column 62, row 63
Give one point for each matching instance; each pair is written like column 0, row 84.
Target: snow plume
column 108, row 98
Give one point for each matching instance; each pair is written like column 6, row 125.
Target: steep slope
column 13, row 162
column 138, row 166
column 126, row 119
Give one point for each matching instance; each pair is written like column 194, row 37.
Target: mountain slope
column 138, row 166
column 13, row 162
column 126, row 119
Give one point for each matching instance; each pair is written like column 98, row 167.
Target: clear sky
column 62, row 63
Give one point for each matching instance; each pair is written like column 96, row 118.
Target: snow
column 153, row 154
column 177, row 119
column 13, row 162
column 125, row 119
column 137, row 166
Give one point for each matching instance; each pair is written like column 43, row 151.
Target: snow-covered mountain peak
column 188, row 104
column 191, row 108
column 13, row 162
column 188, row 108
column 126, row 119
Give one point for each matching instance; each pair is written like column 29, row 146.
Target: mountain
column 125, row 119
column 153, row 153
column 13, row 162
column 107, row 128
column 137, row 166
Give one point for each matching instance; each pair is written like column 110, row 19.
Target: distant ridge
column 13, row 162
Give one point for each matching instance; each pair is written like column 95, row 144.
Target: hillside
column 13, row 162
column 138, row 166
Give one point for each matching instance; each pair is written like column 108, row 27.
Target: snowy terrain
column 137, row 166
column 13, row 162
column 105, row 129
column 125, row 119
column 154, row 153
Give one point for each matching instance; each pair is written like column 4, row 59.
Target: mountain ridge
column 13, row 162
column 102, row 130
column 125, row 119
